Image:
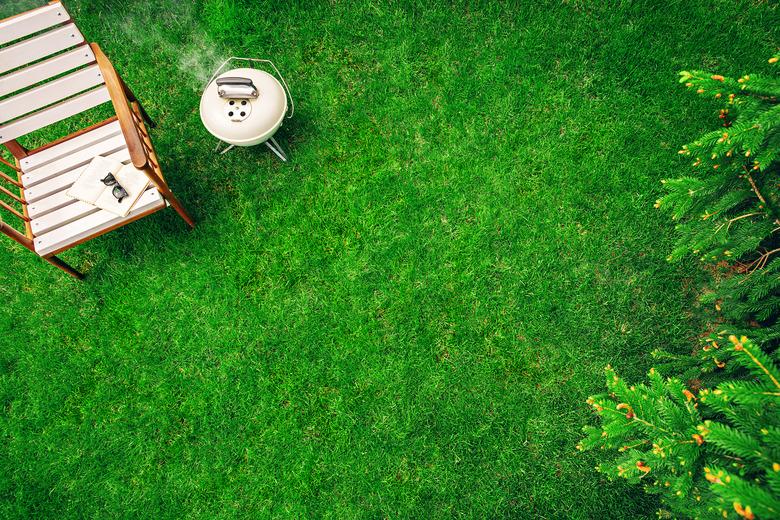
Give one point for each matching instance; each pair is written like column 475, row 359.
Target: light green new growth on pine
column 728, row 210
column 713, row 455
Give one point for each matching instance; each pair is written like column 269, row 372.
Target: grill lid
column 243, row 106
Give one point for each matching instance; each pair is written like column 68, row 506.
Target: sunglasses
column 118, row 192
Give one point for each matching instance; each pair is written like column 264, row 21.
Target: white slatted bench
column 48, row 73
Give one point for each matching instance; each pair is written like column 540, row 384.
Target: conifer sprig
column 714, row 454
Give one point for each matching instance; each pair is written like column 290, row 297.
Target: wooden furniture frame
column 48, row 73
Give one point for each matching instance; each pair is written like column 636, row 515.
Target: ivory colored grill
column 246, row 106
column 35, row 47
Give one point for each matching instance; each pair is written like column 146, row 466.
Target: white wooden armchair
column 48, row 73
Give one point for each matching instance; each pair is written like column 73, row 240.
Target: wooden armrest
column 121, row 107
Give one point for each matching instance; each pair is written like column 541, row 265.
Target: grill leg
column 219, row 144
column 275, row 148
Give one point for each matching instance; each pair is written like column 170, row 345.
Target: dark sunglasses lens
column 108, row 180
column 119, row 192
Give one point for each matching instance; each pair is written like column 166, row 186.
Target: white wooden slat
column 58, row 112
column 74, row 160
column 92, row 224
column 60, row 183
column 64, row 180
column 33, row 49
column 44, row 157
column 32, row 22
column 48, row 204
column 55, row 66
column 49, row 93
column 62, row 216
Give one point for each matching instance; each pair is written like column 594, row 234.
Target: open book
column 105, row 181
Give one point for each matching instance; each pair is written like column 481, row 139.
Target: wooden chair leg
column 57, row 262
column 180, row 209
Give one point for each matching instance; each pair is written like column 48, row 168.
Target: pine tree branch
column 732, row 220
column 761, row 261
column 642, row 421
column 756, row 361
column 768, row 206
column 631, row 447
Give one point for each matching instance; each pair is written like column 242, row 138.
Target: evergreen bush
column 711, row 455
column 708, row 440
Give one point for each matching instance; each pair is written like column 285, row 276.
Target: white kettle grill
column 246, row 106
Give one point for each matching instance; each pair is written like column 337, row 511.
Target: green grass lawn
column 406, row 319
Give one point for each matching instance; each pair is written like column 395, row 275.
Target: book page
column 88, row 186
column 134, row 182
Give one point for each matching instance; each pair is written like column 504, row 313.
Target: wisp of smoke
column 196, row 59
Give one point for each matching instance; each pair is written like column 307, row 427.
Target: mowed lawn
column 406, row 319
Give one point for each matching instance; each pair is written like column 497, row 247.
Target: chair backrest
column 35, row 47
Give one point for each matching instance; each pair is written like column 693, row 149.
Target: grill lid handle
column 236, row 88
